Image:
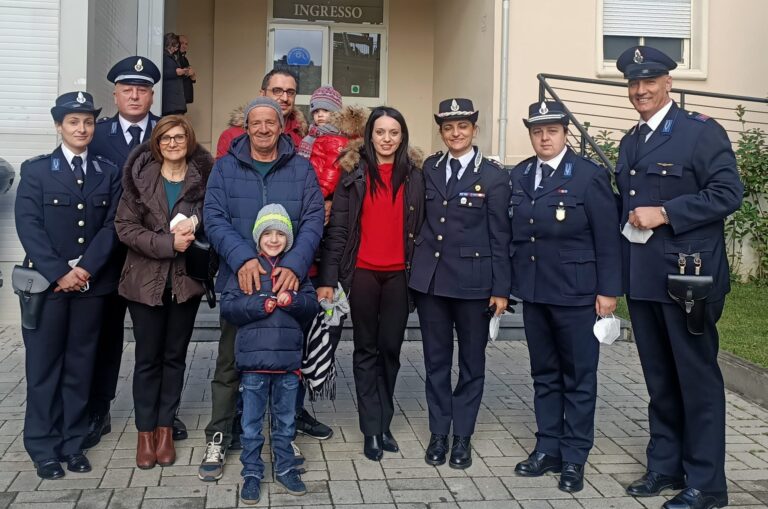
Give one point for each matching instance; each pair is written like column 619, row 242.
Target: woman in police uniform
column 65, row 209
column 566, row 269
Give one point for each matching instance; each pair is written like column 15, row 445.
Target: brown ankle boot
column 145, row 450
column 166, row 453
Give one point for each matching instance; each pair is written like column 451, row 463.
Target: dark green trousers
column 224, row 387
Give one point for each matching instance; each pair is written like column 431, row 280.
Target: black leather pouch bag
column 202, row 265
column 30, row 286
column 691, row 292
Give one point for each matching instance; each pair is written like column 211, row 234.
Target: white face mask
column 607, row 330
column 493, row 327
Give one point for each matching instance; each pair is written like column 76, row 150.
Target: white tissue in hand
column 636, row 235
column 177, row 219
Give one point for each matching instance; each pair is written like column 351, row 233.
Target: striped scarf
column 305, row 148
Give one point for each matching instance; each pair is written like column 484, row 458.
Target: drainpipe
column 503, row 84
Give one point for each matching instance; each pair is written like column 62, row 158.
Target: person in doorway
column 460, row 276
column 377, row 212
column 174, row 102
column 566, row 268
column 282, row 86
column 190, row 76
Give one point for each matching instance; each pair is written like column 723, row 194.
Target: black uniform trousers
column 59, row 365
column 437, row 318
column 224, row 387
column 378, row 303
column 687, row 409
column 109, row 353
column 162, row 335
column 564, row 354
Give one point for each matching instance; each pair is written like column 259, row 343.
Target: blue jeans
column 279, row 389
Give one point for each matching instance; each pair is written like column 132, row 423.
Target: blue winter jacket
column 235, row 194
column 268, row 341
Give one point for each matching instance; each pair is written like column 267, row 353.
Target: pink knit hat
column 325, row 98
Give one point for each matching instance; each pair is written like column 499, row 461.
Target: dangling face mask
column 607, row 330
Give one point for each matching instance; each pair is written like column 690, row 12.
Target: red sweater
column 382, row 244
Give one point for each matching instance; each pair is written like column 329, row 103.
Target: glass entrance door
column 303, row 50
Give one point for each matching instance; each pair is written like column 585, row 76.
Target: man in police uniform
column 566, row 267
column 678, row 182
column 114, row 139
column 460, row 276
column 65, row 210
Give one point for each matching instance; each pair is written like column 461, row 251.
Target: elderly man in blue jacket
column 260, row 168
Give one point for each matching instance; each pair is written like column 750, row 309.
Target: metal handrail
column 546, row 88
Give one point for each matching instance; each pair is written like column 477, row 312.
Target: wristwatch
column 664, row 215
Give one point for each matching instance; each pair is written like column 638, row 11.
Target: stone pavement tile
column 423, row 496
column 25, row 481
column 549, row 493
column 345, row 492
column 367, row 506
column 66, row 495
column 490, row 504
column 444, row 505
column 94, row 499
column 607, row 485
column 6, row 499
column 176, row 491
column 569, row 504
column 128, row 498
column 178, row 470
column 341, row 470
column 409, row 473
column 367, row 469
column 463, row 489
column 375, row 492
column 42, row 505
column 116, row 478
column 652, row 502
column 317, row 494
column 149, row 477
column 175, row 503
column 423, row 483
column 221, row 497
column 740, row 498
column 611, row 503
column 536, row 504
column 6, row 478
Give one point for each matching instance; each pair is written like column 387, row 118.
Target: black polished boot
column 98, row 426
column 538, row 464
column 653, row 483
column 372, row 447
column 388, row 442
column 436, row 450
column 572, row 478
column 461, row 453
column 694, row 499
column 179, row 429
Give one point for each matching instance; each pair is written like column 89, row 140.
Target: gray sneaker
column 212, row 467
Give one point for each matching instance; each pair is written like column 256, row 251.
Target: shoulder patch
column 105, row 160
column 698, row 116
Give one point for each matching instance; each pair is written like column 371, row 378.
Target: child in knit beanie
column 323, row 102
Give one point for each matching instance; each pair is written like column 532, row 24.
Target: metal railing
column 596, row 111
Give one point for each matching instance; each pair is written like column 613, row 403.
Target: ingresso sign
column 343, row 11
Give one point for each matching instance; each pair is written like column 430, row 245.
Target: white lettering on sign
column 327, row 11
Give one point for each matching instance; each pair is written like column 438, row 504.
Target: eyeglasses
column 178, row 139
column 277, row 91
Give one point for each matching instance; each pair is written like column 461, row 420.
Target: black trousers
column 109, row 352
column 378, row 303
column 564, row 355
column 162, row 335
column 687, row 409
column 437, row 318
column 224, row 387
column 59, row 365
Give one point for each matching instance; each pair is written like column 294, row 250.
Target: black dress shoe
column 691, row 498
column 653, row 483
column 49, row 469
column 538, row 464
column 77, row 463
column 98, row 425
column 436, row 450
column 372, row 447
column 461, row 452
column 179, row 429
column 388, row 442
column 572, row 478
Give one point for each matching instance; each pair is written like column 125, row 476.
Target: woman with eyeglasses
column 159, row 212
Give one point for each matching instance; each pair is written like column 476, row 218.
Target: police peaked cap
column 546, row 112
column 134, row 70
column 74, row 102
column 456, row 109
column 639, row 62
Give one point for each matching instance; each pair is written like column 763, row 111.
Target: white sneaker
column 212, row 467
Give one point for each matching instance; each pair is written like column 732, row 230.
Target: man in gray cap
column 114, row 139
column 260, row 168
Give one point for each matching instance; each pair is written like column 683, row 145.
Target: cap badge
column 638, row 57
column 139, row 66
column 80, row 98
column 454, row 105
column 543, row 110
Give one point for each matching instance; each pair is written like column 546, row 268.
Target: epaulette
column 436, row 154
column 496, row 163
column 37, row 158
column 591, row 160
column 698, row 116
column 105, row 160
column 103, row 119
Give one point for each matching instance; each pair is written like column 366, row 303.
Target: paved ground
column 339, row 476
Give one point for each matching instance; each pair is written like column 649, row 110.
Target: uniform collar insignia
column 478, row 160
column 638, row 57
column 113, row 129
column 568, row 171
column 80, row 98
column 55, row 164
column 96, row 166
column 528, row 169
column 139, row 66
column 154, row 123
column 543, row 110
column 454, row 105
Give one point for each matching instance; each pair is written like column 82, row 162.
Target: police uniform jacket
column 57, row 221
column 464, row 241
column 565, row 235
column 109, row 140
column 688, row 166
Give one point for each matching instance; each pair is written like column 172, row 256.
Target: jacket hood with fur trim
column 350, row 121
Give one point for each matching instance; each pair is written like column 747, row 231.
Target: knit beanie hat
column 273, row 217
column 263, row 102
column 325, row 98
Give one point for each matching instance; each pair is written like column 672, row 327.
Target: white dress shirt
column 68, row 155
column 553, row 163
column 125, row 124
column 656, row 119
column 463, row 160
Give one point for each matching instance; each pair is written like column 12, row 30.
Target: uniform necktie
column 77, row 169
column 643, row 133
column 540, row 171
column 455, row 167
column 135, row 132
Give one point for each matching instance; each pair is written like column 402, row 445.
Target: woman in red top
column 376, row 214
